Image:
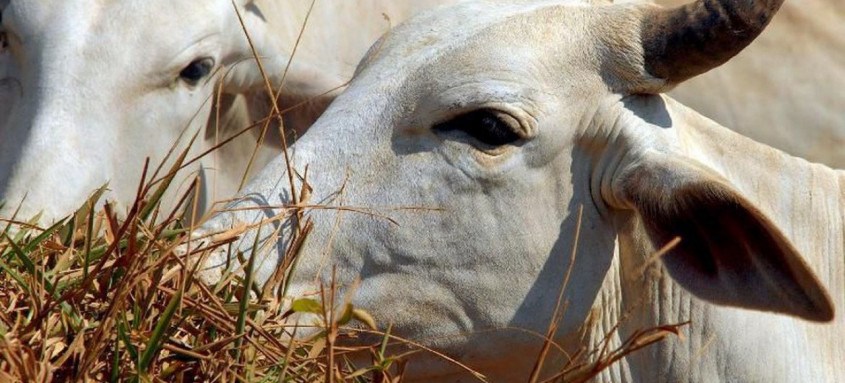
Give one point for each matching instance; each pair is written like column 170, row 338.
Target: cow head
column 89, row 89
column 481, row 132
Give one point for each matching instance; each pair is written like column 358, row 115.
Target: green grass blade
column 80, row 216
column 307, row 305
column 170, row 234
column 29, row 267
column 14, row 274
column 154, row 344
column 165, row 184
column 98, row 252
column 26, row 262
column 89, row 238
column 33, row 243
column 123, row 334
column 240, row 325
column 14, row 216
column 115, row 366
column 382, row 351
column 67, row 232
column 90, row 204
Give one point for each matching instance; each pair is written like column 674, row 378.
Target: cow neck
column 803, row 199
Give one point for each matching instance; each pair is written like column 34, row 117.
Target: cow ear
column 303, row 79
column 244, row 74
column 729, row 253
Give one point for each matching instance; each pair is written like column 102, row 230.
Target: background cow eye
column 197, row 70
column 487, row 126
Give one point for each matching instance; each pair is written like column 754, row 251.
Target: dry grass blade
column 639, row 339
column 275, row 108
column 560, row 305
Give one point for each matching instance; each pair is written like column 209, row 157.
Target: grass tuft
column 96, row 297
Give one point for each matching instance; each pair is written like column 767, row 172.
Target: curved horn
column 689, row 40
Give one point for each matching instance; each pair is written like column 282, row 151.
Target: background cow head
column 89, row 89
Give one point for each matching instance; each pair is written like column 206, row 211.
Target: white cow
column 483, row 129
column 90, row 88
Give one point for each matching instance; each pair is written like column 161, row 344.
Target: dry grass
column 101, row 298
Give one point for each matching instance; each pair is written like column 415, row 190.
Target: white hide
column 484, row 234
column 90, row 88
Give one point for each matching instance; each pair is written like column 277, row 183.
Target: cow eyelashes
column 197, row 70
column 487, row 126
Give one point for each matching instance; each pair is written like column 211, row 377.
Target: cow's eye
column 485, row 125
column 197, row 70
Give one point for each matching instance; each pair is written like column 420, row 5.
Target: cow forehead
column 443, row 70
column 433, row 43
column 79, row 43
column 112, row 23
